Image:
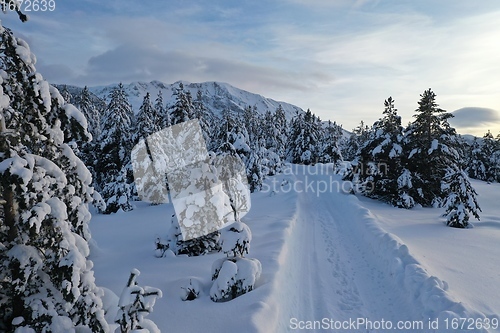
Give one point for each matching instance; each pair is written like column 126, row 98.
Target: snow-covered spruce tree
column 135, row 303
column 303, row 140
column 147, row 120
column 329, row 144
column 460, row 201
column 430, row 149
column 46, row 279
column 91, row 111
column 66, row 95
column 204, row 117
column 477, row 164
column 350, row 147
column 164, row 120
column 490, row 151
column 281, row 132
column 182, row 110
column 233, row 135
column 380, row 158
column 113, row 169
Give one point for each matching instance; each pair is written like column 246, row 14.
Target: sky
column 339, row 58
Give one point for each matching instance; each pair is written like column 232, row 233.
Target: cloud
column 475, row 117
column 139, row 62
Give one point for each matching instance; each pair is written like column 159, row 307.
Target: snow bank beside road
column 428, row 292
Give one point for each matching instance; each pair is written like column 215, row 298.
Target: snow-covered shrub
column 233, row 277
column 192, row 247
column 235, row 239
column 135, row 303
column 191, row 291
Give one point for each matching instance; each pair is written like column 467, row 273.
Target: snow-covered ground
column 328, row 259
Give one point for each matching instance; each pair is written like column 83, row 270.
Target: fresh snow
column 327, row 255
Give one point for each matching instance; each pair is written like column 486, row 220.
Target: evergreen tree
column 148, row 120
column 182, row 109
column 461, row 200
column 135, row 303
column 164, row 115
column 91, row 112
column 380, row 157
column 478, row 162
column 113, row 168
column 66, row 95
column 329, row 144
column 204, row 117
column 491, row 156
column 430, row 145
column 303, row 140
column 46, row 279
column 350, row 147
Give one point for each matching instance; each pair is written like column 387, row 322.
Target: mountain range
column 217, row 96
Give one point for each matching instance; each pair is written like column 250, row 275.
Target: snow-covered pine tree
column 113, row 168
column 147, row 120
column 232, row 135
column 429, row 150
column 205, row 120
column 164, row 120
column 182, row 110
column 86, row 105
column 66, row 95
column 380, row 157
column 350, row 147
column 329, row 144
column 478, row 162
column 303, row 141
column 460, row 201
column 490, row 151
column 135, row 304
column 281, row 132
column 46, row 280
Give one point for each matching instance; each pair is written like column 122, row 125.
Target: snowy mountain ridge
column 217, row 96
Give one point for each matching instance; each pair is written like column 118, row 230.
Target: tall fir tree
column 204, row 117
column 329, row 144
column 147, row 121
column 113, row 168
column 477, row 165
column 90, row 110
column 303, row 140
column 46, row 279
column 379, row 158
column 182, row 109
column 428, row 152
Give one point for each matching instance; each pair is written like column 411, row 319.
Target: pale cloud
column 475, row 120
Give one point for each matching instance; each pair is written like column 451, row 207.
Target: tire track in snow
column 340, row 274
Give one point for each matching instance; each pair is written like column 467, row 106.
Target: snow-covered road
column 335, row 275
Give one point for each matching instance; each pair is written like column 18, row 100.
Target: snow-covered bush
column 191, row 290
column 233, row 277
column 192, row 247
column 235, row 239
column 135, row 303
